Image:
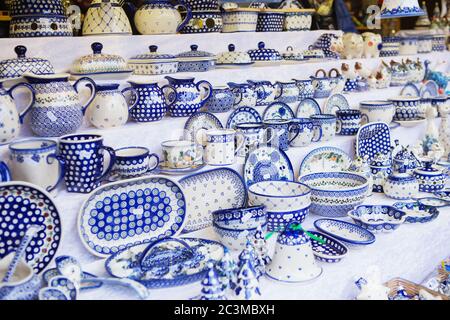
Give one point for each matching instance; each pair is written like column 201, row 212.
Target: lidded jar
column 381, row 166
column 401, row 185
column 430, row 179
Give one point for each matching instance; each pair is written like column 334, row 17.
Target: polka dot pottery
column 270, row 21
column 378, row 218
column 195, row 60
column 406, row 107
column 239, row 19
column 153, row 62
column 391, row 47
column 203, row 22
column 372, row 139
column 264, row 54
column 430, row 179
column 330, row 251
column 122, row 214
column 331, row 44
column 134, row 161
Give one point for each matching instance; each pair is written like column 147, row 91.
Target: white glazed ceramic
column 239, row 20
column 255, row 134
column 221, row 146
column 372, row 45
column 134, row 161
column 377, row 111
column 106, row 17
column 327, row 123
column 353, row 45
column 409, row 46
column 401, row 186
column 180, row 153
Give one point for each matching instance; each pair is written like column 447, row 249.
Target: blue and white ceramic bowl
column 378, row 218
column 406, row 107
column 333, row 194
column 330, row 251
column 417, row 212
column 377, row 111
column 347, row 232
column 285, row 201
column 235, row 226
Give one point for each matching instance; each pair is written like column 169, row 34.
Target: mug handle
column 62, row 169
column 241, row 144
column 338, row 126
column 5, row 173
column 91, row 86
column 153, row 155
column 32, row 100
column 279, row 91
column 199, row 156
column 188, row 14
column 238, row 91
column 112, row 160
column 169, row 101
column 135, row 93
column 364, row 119
column 272, row 134
column 320, row 133
column 292, row 125
column 207, row 87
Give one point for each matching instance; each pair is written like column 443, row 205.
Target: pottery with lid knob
column 430, row 178
column 153, row 62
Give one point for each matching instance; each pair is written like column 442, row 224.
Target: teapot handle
column 207, row 87
column 112, row 160
column 336, row 71
column 62, row 169
column 91, row 86
column 133, row 92
column 32, row 100
column 188, row 14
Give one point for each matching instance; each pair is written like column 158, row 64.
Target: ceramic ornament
column 371, row 287
column 227, row 269
column 431, row 135
column 211, row 285
column 247, row 285
column 260, row 244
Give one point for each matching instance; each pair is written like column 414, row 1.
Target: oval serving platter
column 211, row 190
column 128, row 212
column 346, row 232
column 23, row 204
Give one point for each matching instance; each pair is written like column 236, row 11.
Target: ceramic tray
column 325, row 159
column 124, row 213
column 373, row 138
column 347, row 232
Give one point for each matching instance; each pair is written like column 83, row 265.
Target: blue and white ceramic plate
column 307, row 108
column 410, row 89
column 168, row 264
column 331, row 251
column 373, row 138
column 443, row 194
column 429, row 89
column 417, row 212
column 197, row 124
column 325, row 159
column 334, row 103
column 267, row 163
column 412, row 122
column 53, row 272
column 347, row 232
column 243, row 115
column 210, row 191
column 23, row 204
column 278, row 110
column 124, row 213
column 164, row 169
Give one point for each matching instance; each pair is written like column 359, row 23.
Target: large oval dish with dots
column 21, row 205
column 125, row 213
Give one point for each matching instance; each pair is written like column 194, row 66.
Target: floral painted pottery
column 196, row 126
column 5, row 174
column 233, row 58
column 322, row 85
column 264, row 54
column 222, row 146
column 265, row 90
column 327, row 123
column 293, row 259
column 391, row 47
column 245, row 94
column 36, row 161
column 134, row 161
column 190, row 97
column 160, row 17
column 333, row 194
column 381, row 166
column 148, row 101
column 349, row 233
column 417, row 212
column 406, row 108
column 405, row 158
column 302, row 132
column 195, row 60
column 221, row 100
column 377, row 218
column 278, row 110
column 255, row 135
column 336, row 102
column 153, row 63
column 330, row 250
column 288, row 92
column 306, row 89
column 203, row 22
column 46, row 18
column 401, row 185
column 238, row 19
column 348, row 122
column 14, row 68
column 408, row 46
column 243, row 115
column 235, row 226
column 377, row 111
column 180, row 153
column 109, row 108
column 83, row 155
column 56, row 110
column 325, row 159
column 279, row 135
column 270, row 20
column 106, row 17
column 400, row 8
column 52, row 294
column 285, row 201
column 430, row 179
column 10, row 119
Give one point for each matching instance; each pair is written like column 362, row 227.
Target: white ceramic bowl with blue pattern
column 378, row 218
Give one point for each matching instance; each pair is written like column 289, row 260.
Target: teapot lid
column 16, row 67
column 233, row 57
column 153, row 55
column 195, row 55
column 428, row 168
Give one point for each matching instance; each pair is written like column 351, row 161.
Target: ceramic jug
column 287, row 92
column 106, row 17
column 161, row 17
column 189, row 97
column 57, row 110
column 245, row 94
column 10, row 118
column 266, row 92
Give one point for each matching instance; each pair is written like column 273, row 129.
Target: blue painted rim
column 284, row 182
column 52, row 145
column 320, row 149
column 369, row 234
column 315, row 176
column 354, row 214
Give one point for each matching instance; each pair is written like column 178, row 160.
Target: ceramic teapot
column 56, row 110
column 161, row 17
column 10, row 118
column 401, row 185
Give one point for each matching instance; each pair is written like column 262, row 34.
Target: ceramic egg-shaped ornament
column 293, row 259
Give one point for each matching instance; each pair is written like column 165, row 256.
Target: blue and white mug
column 327, row 123
column 348, row 122
column 245, row 94
column 279, row 135
column 406, row 107
column 85, row 164
column 134, row 161
column 322, row 84
column 255, row 135
column 221, row 146
column 36, row 161
column 302, row 132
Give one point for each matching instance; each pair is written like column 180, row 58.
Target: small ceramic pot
column 348, row 122
column 279, row 135
column 306, row 89
column 408, row 46
column 401, row 185
column 322, row 85
column 301, row 133
column 245, row 94
column 381, row 167
column 179, row 154
column 239, row 20
column 287, row 92
column 406, row 107
column 298, row 21
column 134, row 161
column 221, row 100
column 430, row 179
column 327, row 123
column 377, row 111
column 270, row 21
column 255, row 135
column 204, row 22
column 221, row 146
column 153, row 63
column 266, row 92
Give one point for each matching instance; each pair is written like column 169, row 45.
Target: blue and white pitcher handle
column 133, row 92
column 241, row 144
column 278, row 90
column 188, row 14
column 171, row 97
column 62, row 169
column 91, row 86
column 5, row 173
column 149, row 249
column 32, row 100
column 207, row 87
column 112, row 160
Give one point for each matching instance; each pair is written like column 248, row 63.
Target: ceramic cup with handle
column 221, row 146
column 36, row 161
column 322, row 84
column 327, row 123
column 279, row 135
column 301, row 132
column 255, row 134
column 85, row 161
column 348, row 122
column 377, row 111
column 134, row 161
column 178, row 154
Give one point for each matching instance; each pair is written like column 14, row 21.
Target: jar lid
column 153, row 55
column 428, row 169
column 262, row 53
column 16, row 67
column 233, row 57
column 98, row 62
column 195, row 55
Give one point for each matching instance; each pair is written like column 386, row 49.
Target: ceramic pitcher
column 57, row 110
column 106, row 17
column 244, row 94
column 10, row 118
column 266, row 92
column 189, row 96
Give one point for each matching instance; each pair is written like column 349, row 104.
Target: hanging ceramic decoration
column 197, row 125
column 124, row 213
column 325, row 159
column 40, row 210
column 210, row 191
column 106, row 17
column 169, row 262
column 267, row 163
column 278, row 110
column 243, row 115
column 400, row 8
column 307, row 108
column 429, row 89
column 373, row 138
column 334, row 103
